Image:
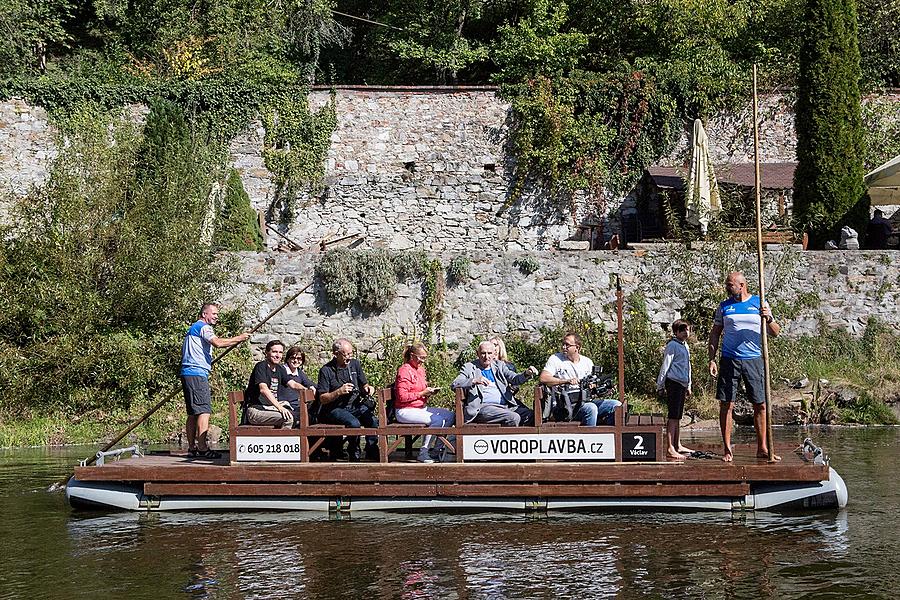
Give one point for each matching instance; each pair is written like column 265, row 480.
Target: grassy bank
column 869, row 366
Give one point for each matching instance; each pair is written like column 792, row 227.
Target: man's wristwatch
column 769, row 319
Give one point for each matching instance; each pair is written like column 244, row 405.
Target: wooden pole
column 176, row 391
column 762, row 275
column 620, row 342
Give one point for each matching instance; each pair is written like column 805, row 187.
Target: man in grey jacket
column 487, row 382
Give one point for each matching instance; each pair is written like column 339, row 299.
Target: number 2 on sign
column 640, row 443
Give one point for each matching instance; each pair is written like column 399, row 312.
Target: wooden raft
column 175, row 474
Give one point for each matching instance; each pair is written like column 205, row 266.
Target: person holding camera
column 567, row 369
column 261, row 401
column 346, row 398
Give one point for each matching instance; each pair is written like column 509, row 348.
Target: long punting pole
column 762, row 278
column 620, row 343
column 177, row 390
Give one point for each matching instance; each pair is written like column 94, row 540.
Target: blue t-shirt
column 740, row 323
column 196, row 351
column 490, row 394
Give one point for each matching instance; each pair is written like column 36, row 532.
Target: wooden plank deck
column 176, row 474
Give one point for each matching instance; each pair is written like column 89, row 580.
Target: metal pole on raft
column 176, row 391
column 762, row 275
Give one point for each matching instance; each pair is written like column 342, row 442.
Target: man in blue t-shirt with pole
column 196, row 363
column 740, row 319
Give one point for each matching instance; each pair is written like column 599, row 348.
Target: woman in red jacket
column 411, row 393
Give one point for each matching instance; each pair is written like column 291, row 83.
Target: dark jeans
column 353, row 416
column 526, row 415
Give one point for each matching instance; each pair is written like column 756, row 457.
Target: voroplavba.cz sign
column 561, row 446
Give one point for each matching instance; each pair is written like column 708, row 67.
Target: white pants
column 433, row 417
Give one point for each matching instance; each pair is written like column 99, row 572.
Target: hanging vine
column 294, row 150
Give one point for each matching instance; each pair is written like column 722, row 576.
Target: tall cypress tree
column 828, row 182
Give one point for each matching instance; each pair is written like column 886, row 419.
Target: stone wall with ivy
column 430, row 169
column 522, row 292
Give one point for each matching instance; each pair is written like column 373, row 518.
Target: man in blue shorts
column 196, row 363
column 740, row 319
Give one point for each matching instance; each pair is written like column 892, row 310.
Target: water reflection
column 495, row 556
column 851, row 553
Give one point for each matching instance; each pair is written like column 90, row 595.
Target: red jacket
column 408, row 387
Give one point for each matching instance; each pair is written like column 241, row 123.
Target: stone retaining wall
column 848, row 287
column 408, row 168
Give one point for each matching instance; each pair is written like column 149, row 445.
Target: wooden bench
column 403, row 431
column 312, row 436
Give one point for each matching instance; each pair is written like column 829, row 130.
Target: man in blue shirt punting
column 739, row 318
column 196, row 363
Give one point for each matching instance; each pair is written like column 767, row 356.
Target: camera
column 562, row 402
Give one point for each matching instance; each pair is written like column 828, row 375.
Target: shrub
column 458, row 269
column 238, row 225
column 527, row 265
column 104, row 265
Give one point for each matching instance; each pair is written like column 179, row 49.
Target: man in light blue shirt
column 488, row 385
column 739, row 318
column 196, row 363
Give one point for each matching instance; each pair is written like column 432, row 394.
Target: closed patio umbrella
column 702, row 188
column 884, row 183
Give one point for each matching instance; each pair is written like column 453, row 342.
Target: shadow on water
column 851, row 553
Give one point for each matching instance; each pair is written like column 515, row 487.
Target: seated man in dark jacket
column 342, row 390
column 487, row 383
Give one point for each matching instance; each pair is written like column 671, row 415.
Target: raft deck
column 549, row 461
column 175, row 474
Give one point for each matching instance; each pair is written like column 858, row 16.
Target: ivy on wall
column 295, row 147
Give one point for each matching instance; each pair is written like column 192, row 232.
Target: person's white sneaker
column 424, row 456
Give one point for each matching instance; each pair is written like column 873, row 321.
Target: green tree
column 828, row 182
column 238, row 226
column 104, row 265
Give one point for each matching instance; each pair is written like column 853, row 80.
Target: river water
column 50, row 551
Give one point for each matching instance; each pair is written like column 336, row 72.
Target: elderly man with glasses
column 488, row 385
column 567, row 369
column 342, row 392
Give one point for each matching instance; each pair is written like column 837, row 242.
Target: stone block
column 574, row 245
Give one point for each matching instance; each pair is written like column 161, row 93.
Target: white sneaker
column 424, row 456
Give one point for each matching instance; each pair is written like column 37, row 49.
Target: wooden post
column 762, row 275
column 384, row 395
column 460, row 421
column 620, row 303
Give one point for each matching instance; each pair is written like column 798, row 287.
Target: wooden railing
column 312, row 436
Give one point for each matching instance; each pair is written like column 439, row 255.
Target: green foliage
column 296, row 145
column 367, row 280
column 828, row 181
column 527, row 265
column 881, row 119
column 363, row 278
column 433, row 288
column 238, row 226
column 104, row 265
column 458, row 269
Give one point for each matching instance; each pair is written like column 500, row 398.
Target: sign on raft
column 267, row 448
column 560, row 446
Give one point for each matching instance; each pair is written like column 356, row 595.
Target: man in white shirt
column 568, row 368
